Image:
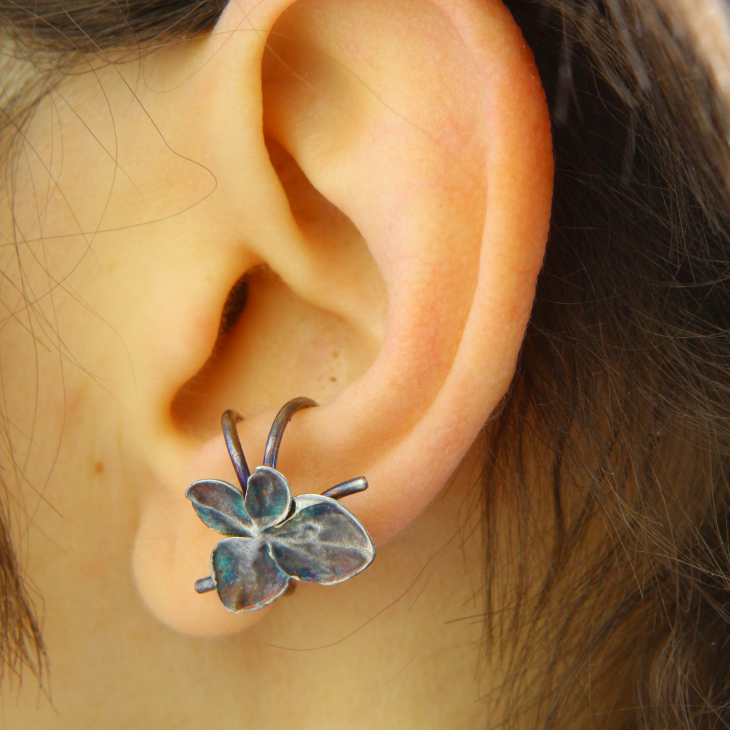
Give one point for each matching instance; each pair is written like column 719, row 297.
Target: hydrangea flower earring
column 272, row 538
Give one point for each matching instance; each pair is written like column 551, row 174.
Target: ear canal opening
column 233, row 308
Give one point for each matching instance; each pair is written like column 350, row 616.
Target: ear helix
column 419, row 202
column 270, row 537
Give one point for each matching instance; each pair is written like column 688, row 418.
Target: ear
column 383, row 192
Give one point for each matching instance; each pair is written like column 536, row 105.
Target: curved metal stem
column 235, row 450
column 345, row 489
column 271, row 454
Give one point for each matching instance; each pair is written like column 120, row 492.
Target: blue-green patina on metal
column 273, row 538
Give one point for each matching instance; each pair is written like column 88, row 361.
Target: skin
column 385, row 187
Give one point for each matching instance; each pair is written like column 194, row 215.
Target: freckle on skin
column 98, row 468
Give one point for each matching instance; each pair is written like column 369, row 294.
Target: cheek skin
column 77, row 357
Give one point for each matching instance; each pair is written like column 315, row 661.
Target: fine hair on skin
column 620, row 401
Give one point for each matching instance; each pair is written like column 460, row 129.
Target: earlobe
column 423, row 126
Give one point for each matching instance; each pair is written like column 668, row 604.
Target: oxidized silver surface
column 273, row 538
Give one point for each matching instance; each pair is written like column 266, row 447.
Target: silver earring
column 272, row 538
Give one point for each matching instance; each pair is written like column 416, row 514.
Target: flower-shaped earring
column 273, row 538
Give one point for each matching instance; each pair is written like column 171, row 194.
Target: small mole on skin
column 98, row 468
column 333, row 379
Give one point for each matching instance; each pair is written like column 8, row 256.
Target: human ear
column 384, row 178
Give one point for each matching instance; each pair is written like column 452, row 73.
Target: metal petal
column 268, row 497
column 245, row 575
column 322, row 543
column 220, row 506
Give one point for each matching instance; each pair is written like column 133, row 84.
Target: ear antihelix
column 272, row 538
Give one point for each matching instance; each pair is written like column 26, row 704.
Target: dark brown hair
column 621, row 402
column 623, row 386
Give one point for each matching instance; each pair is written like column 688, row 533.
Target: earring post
column 345, row 489
column 205, row 585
